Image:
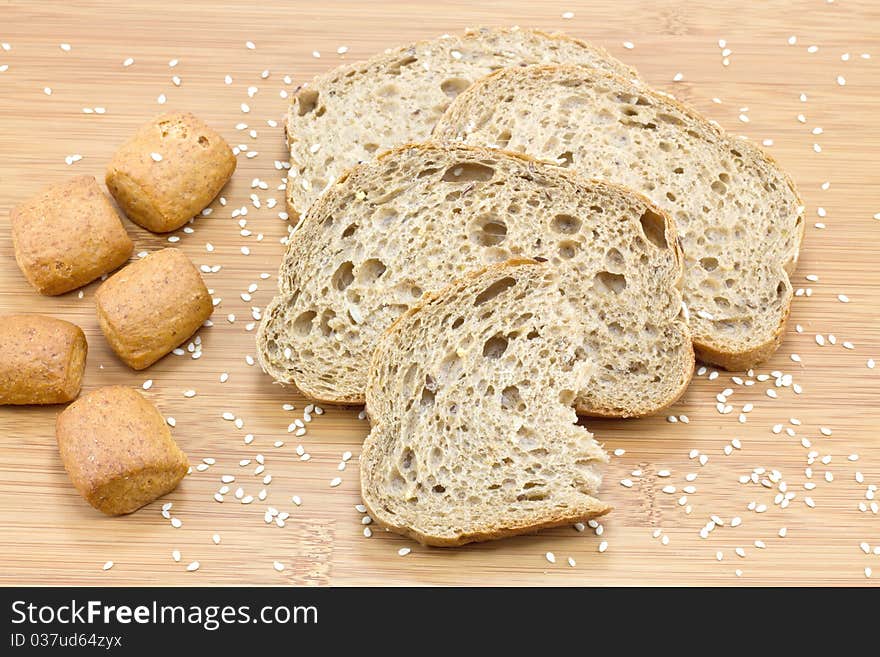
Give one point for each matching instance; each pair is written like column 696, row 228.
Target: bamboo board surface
column 50, row 536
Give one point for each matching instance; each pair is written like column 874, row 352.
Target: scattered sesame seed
column 193, row 566
column 107, row 566
column 405, row 551
column 603, row 546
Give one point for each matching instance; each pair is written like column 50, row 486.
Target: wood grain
column 50, row 536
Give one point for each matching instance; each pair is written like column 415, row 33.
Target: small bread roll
column 67, row 236
column 118, row 450
column 41, row 360
column 169, row 171
column 151, row 306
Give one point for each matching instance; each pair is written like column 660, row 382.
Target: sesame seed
column 841, row 80
column 193, row 566
column 603, row 546
column 405, row 551
column 568, row 15
column 107, row 566
column 335, row 482
column 277, row 565
column 171, row 421
column 250, row 45
column 619, row 452
column 678, row 77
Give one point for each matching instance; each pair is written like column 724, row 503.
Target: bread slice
column 358, row 110
column 469, row 396
column 738, row 214
column 422, row 215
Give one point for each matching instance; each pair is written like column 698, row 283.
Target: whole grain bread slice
column 738, row 214
column 358, row 110
column 469, row 397
column 419, row 216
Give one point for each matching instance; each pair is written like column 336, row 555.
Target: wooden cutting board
column 50, row 536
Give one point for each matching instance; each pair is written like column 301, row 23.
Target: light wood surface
column 50, row 536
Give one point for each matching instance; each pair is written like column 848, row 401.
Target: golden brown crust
column 595, row 509
column 152, row 306
column 163, row 195
column 41, row 360
column 118, row 450
column 67, row 236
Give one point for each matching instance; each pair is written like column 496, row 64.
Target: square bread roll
column 152, row 306
column 41, row 360
column 67, row 236
column 118, row 450
column 169, row 171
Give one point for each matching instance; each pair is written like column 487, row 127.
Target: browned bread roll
column 151, row 306
column 169, row 171
column 68, row 235
column 118, row 450
column 41, row 360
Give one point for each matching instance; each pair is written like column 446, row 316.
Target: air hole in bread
column 370, row 270
column 427, row 172
column 612, row 282
column 427, row 398
column 454, row 86
column 495, row 346
column 565, row 224
column 488, row 230
column 438, row 489
column 719, row 188
column 565, row 159
column 780, row 289
column 654, row 228
column 306, row 101
column 348, row 232
column 510, row 398
column 709, row 264
column 722, row 302
column 568, row 249
column 324, row 324
column 458, row 322
column 503, row 139
column 670, row 119
column 498, row 287
column 343, row 276
column 394, row 69
column 371, row 147
column 406, row 459
column 203, row 141
column 468, row 172
column 302, row 325
column 614, row 259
